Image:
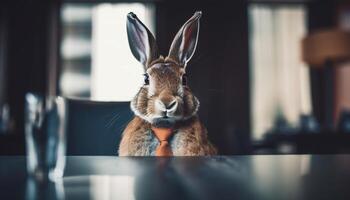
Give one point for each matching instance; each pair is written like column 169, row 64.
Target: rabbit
column 165, row 100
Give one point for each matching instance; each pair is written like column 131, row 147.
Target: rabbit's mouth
column 165, row 122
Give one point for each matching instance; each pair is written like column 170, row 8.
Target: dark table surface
column 224, row 177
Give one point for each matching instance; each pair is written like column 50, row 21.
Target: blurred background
column 272, row 76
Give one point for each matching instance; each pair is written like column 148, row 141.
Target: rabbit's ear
column 184, row 44
column 141, row 41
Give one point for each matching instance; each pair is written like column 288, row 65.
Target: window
column 280, row 80
column 96, row 60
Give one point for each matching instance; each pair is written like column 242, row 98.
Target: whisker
column 123, row 126
column 112, row 120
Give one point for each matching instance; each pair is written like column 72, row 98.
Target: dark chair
column 94, row 128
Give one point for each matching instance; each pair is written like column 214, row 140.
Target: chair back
column 95, row 128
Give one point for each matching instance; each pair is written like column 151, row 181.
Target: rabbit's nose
column 171, row 105
column 166, row 106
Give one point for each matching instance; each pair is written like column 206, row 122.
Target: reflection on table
column 222, row 177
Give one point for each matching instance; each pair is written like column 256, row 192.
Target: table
column 222, row 177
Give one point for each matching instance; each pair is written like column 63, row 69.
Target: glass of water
column 45, row 136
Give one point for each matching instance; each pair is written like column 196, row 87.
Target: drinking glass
column 44, row 190
column 45, row 136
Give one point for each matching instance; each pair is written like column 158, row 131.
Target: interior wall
column 26, row 60
column 321, row 16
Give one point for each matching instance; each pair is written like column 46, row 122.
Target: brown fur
column 164, row 100
column 193, row 140
column 137, row 137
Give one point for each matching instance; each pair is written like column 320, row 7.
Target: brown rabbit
column 164, row 101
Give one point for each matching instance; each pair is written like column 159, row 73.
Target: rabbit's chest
column 177, row 143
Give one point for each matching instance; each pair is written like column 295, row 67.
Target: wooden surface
column 234, row 177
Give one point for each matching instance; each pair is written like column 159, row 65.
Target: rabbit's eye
column 146, row 79
column 184, row 79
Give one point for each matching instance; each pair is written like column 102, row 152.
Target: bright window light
column 96, row 62
column 115, row 74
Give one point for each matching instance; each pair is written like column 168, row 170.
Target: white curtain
column 280, row 80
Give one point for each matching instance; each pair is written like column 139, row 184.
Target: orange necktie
column 163, row 135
